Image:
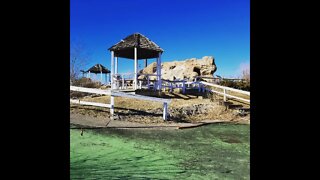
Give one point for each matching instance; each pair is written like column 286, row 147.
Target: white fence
column 171, row 84
column 225, row 89
column 115, row 94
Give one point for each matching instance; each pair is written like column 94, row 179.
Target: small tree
column 245, row 71
column 246, row 74
column 78, row 59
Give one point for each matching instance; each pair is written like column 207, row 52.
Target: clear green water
column 219, row 151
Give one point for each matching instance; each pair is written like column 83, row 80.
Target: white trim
column 227, row 88
column 74, row 101
column 90, row 90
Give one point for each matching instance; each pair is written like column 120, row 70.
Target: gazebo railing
column 121, row 80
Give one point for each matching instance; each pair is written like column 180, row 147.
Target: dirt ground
column 190, row 108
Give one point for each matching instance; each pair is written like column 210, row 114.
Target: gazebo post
column 112, row 87
column 159, row 83
column 135, row 68
column 116, row 65
column 112, row 69
column 89, row 74
column 101, row 76
column 116, row 72
column 145, row 63
column 106, row 78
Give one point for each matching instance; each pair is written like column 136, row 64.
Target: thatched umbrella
column 98, row 68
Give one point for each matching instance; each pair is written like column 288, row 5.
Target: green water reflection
column 219, row 151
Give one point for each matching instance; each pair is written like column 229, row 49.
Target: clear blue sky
column 183, row 28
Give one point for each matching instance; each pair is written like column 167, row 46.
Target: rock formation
column 187, row 69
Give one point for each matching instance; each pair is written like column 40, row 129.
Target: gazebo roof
column 146, row 49
column 98, row 68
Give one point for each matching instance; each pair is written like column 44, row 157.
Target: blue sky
column 183, row 28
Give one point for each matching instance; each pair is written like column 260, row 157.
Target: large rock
column 187, row 69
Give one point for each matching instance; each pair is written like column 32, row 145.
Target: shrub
column 243, row 85
column 86, row 82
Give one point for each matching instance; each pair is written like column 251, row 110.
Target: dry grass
column 131, row 106
column 137, row 104
column 232, row 100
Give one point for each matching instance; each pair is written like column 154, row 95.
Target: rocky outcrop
column 187, row 69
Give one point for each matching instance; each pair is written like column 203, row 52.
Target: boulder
column 187, row 69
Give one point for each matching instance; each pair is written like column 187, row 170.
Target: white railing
column 225, row 89
column 78, row 101
column 121, row 80
column 90, row 90
column 114, row 93
column 148, row 80
column 175, row 84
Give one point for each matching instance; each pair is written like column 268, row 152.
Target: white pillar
column 101, row 77
column 224, row 95
column 135, row 68
column 140, row 84
column 116, row 72
column 107, row 79
column 89, row 74
column 112, row 69
column 165, row 111
column 116, row 65
column 159, row 83
column 112, row 105
column 112, row 85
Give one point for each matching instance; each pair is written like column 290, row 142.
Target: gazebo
column 97, row 69
column 136, row 47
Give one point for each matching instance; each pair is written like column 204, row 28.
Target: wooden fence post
column 165, row 111
column 224, row 95
column 112, row 106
